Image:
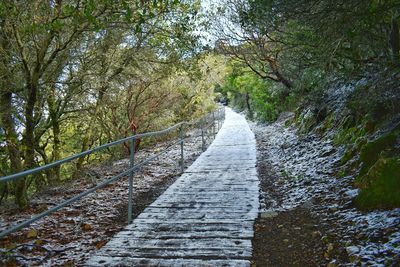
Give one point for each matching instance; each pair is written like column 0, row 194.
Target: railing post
column 213, row 125
column 222, row 117
column 131, row 164
column 219, row 119
column 182, row 143
column 203, row 143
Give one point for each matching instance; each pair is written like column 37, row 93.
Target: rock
column 286, row 240
column 333, row 209
column 352, row 250
column 352, row 253
column 308, row 204
column 268, row 214
column 379, row 185
column 369, row 153
column 316, row 234
column 327, row 152
column 332, row 264
column 307, row 120
column 352, row 193
column 309, row 226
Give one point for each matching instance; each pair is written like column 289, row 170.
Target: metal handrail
column 133, row 167
column 85, row 153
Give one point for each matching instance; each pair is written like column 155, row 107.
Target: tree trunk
column 56, row 155
column 288, row 84
column 85, row 145
column 395, row 41
column 29, row 136
column 8, row 125
column 29, row 140
column 89, row 132
column 273, row 64
column 12, row 142
column 247, row 99
column 54, row 176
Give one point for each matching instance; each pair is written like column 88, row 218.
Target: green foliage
column 247, row 91
column 348, row 155
column 306, row 121
column 370, row 152
column 295, row 43
column 375, row 101
column 328, row 123
column 370, row 105
column 311, row 85
column 305, row 47
column 264, row 106
column 349, row 135
column 380, row 186
column 378, row 179
column 77, row 74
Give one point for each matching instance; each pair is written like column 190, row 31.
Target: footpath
column 205, row 218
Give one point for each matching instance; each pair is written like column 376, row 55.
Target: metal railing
column 208, row 121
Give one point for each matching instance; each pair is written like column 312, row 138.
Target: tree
column 338, row 36
column 278, row 40
column 247, row 91
column 252, row 38
column 59, row 58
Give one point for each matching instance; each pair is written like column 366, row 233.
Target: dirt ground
column 291, row 237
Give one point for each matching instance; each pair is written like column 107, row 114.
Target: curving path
column 205, row 218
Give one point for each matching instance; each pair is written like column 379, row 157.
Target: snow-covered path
column 205, row 218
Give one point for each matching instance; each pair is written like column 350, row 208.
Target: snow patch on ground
column 306, row 167
column 74, row 232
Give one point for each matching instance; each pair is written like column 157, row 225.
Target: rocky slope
column 302, row 170
column 335, row 166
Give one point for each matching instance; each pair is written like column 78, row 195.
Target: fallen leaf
column 86, row 227
column 100, row 244
column 39, row 242
column 11, row 263
column 32, row 233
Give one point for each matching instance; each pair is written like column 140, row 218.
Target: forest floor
column 307, row 215
column 68, row 237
